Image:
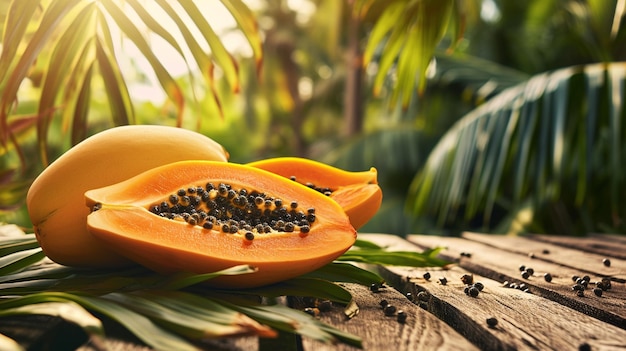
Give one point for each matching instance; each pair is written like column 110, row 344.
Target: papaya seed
column 235, row 210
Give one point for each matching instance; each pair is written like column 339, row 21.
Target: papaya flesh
column 358, row 193
column 204, row 216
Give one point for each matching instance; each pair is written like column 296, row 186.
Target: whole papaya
column 56, row 202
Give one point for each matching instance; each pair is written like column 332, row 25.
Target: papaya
column 358, row 193
column 204, row 216
column 56, row 202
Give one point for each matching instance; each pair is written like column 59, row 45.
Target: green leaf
column 17, row 18
column 53, row 15
column 413, row 29
column 67, row 54
column 196, row 321
column 202, row 58
column 248, row 25
column 394, row 258
column 220, row 54
column 345, row 273
column 20, row 260
column 68, row 310
column 117, row 91
column 365, row 244
column 16, row 243
column 131, row 31
column 141, row 326
column 183, row 280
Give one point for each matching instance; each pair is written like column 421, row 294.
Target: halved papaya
column 204, row 216
column 358, row 193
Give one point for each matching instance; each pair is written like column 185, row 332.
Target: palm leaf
column 555, row 137
column 71, row 42
column 405, row 36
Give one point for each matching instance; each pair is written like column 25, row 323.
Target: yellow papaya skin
column 55, row 200
column 123, row 219
column 358, row 193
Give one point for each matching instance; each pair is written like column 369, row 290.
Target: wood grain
column 421, row 331
column 526, row 321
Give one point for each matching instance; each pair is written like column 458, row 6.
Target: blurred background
column 485, row 115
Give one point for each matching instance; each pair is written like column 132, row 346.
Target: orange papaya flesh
column 358, row 193
column 149, row 219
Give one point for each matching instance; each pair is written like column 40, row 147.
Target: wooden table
column 531, row 312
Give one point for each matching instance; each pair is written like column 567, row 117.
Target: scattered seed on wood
column 580, row 293
column 492, row 322
column 522, row 268
column 443, row 281
column 467, row 279
column 402, row 316
column 597, row 291
column 547, row 277
column 473, row 291
column 530, row 271
column 383, row 303
column 427, row 276
column 525, row 275
column 606, row 262
column 409, row 296
column 325, row 306
column 390, row 310
column 479, row 286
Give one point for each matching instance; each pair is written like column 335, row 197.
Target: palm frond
column 556, row 137
column 73, row 41
column 480, row 79
column 404, row 38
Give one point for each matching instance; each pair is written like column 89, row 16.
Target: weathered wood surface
column 549, row 316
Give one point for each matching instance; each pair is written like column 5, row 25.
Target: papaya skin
column 358, row 193
column 123, row 221
column 55, row 200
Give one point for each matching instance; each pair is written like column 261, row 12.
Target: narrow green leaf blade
column 69, row 311
column 20, row 260
column 131, row 31
column 249, row 26
column 223, row 58
column 345, row 273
